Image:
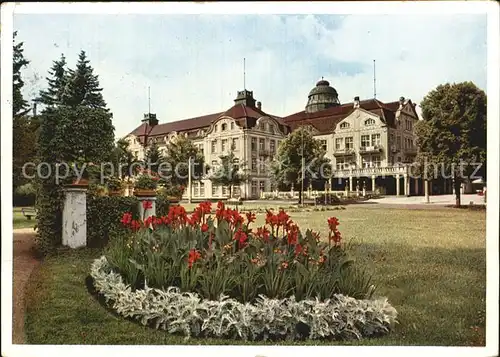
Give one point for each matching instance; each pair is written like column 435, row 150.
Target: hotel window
column 391, row 139
column 369, row 122
column 254, row 188
column 236, row 164
column 262, row 166
column 339, row 142
column 224, row 191
column 272, row 146
column 349, row 143
column 323, row 144
column 376, row 161
column 262, row 185
column 214, row 190
column 224, row 145
column 224, row 127
column 232, row 125
column 340, row 163
column 234, row 144
column 262, row 144
column 196, row 190
column 364, row 162
column 344, row 125
column 271, row 128
column 236, row 191
column 254, row 144
column 254, row 164
column 398, row 142
column 365, row 141
column 214, row 146
column 200, row 148
column 375, row 139
column 202, row 189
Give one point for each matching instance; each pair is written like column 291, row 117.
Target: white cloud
column 194, row 64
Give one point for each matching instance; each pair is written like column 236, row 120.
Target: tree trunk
column 300, row 196
column 457, row 184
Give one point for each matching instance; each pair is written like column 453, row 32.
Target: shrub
column 171, row 190
column 25, row 195
column 114, row 183
column 103, row 217
column 223, row 255
column 146, row 180
column 162, row 204
column 328, row 199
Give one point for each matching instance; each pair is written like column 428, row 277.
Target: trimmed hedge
column 24, row 195
column 103, row 217
column 162, row 205
column 329, row 199
column 105, row 212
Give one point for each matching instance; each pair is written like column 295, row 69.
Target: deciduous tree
column 300, row 160
column 452, row 132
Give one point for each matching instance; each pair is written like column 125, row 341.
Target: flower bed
column 341, row 317
column 220, row 259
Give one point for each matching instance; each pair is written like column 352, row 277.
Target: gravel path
column 24, row 263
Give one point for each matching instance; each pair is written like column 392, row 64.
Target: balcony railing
column 343, row 152
column 411, row 151
column 372, row 171
column 370, row 149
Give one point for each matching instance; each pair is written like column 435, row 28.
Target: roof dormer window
column 344, row 125
column 369, row 122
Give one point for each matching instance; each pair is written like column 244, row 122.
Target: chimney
column 259, row 105
column 356, row 102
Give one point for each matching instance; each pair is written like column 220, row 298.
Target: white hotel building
column 368, row 142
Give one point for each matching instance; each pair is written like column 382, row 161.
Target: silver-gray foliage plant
column 186, row 313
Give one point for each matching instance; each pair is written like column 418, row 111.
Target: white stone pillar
column 145, row 213
column 397, row 186
column 74, row 232
column 350, row 184
column 190, row 186
column 373, row 184
column 406, row 185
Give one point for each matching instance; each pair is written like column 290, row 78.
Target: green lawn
column 20, row 221
column 431, row 264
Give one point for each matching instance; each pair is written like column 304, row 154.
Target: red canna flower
column 283, row 218
column 126, row 218
column 298, row 249
column 241, row 237
column 316, row 235
column 292, row 234
column 135, row 225
column 333, row 222
column 147, row 205
column 250, row 217
column 263, row 233
column 204, row 227
column 193, row 256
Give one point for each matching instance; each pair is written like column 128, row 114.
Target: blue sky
column 194, row 63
